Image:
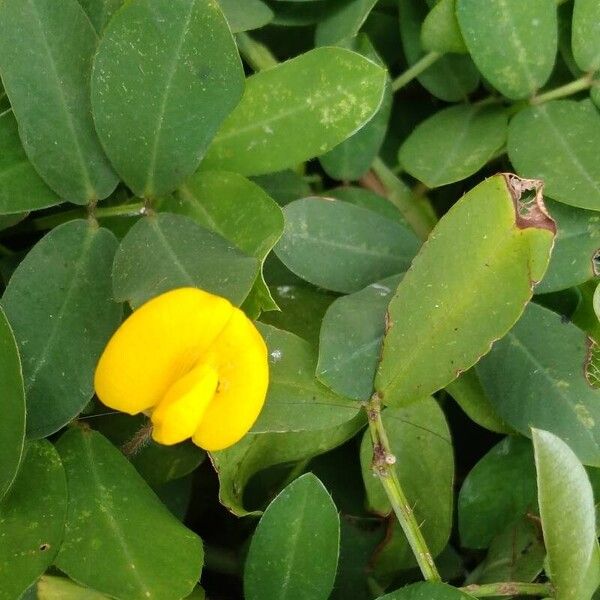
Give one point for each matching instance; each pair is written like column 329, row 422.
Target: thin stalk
column 583, row 83
column 221, row 561
column 257, row 55
column 414, row 71
column 383, row 467
column 417, row 212
column 510, row 588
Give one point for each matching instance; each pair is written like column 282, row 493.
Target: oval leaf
column 300, row 109
column 439, row 319
column 294, row 550
column 163, row 252
column 46, row 76
column 100, row 12
column 513, row 43
column 32, row 519
column 454, row 143
column 427, row 591
column 351, row 336
column 59, row 303
column 585, row 34
column 545, row 356
column 243, row 15
column 21, row 188
column 342, row 247
column 12, row 406
column 440, row 31
column 568, row 517
column 106, row 538
column 343, row 22
column 570, row 163
column 177, row 59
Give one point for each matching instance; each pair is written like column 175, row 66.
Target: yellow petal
column 178, row 415
column 239, row 355
column 158, row 344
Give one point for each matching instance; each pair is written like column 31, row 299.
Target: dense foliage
column 404, row 195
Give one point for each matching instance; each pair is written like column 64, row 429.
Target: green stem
column 257, row 55
column 134, row 209
column 414, row 71
column 417, row 212
column 222, row 561
column 510, row 588
column 583, row 83
column 383, row 461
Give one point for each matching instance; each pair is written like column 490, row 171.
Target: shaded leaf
column 569, row 164
column 46, row 76
column 295, row 111
column 244, row 15
column 163, row 252
column 343, row 22
column 178, row 60
column 545, row 356
column 440, row 31
column 296, row 401
column 100, row 12
column 32, row 519
column 454, row 143
column 427, row 591
column 586, row 35
column 283, row 186
column 513, row 43
column 342, row 247
column 59, row 304
column 298, row 561
column 439, row 319
column 106, row 539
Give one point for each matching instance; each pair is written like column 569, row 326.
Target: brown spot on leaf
column 528, row 200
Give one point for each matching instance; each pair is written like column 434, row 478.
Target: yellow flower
column 192, row 361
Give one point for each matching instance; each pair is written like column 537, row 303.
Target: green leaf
column 454, row 143
column 513, row 43
column 283, row 186
column 244, row 15
column 163, row 252
column 586, row 35
column 212, row 199
column 156, row 463
column 463, row 292
column 570, row 163
column 342, row 247
column 499, row 490
column 353, row 157
column 470, row 396
column 12, row 407
column 111, row 509
column 59, row 304
column 577, row 246
column 177, row 60
column 568, row 517
column 343, row 22
column 32, row 519
column 50, row 587
column 515, row 554
column 367, row 199
column 46, row 76
column 351, row 336
column 21, row 188
column 545, row 356
column 420, row 440
column 257, row 451
column 427, row 591
column 450, row 78
column 302, row 308
column 100, row 12
column 300, row 109
column 294, row 550
column 440, row 31
column 296, row 401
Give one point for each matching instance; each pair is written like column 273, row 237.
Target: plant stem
column 583, row 83
column 421, row 65
column 383, row 461
column 417, row 212
column 509, row 588
column 221, row 561
column 134, row 209
column 257, row 55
